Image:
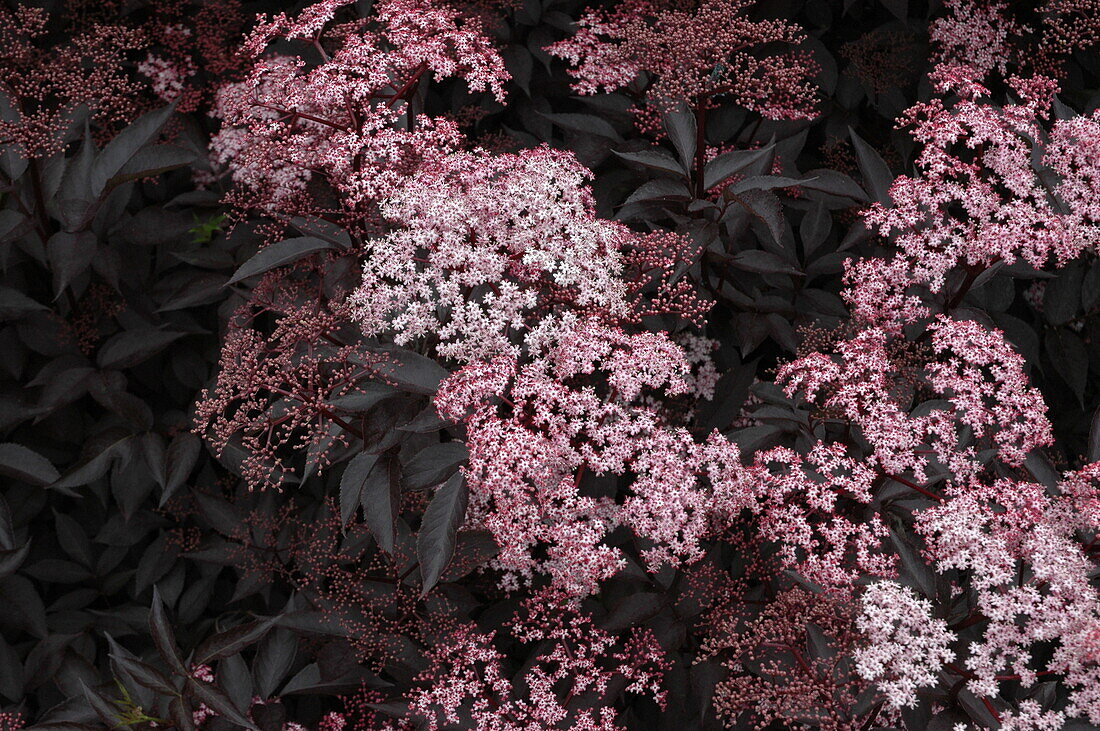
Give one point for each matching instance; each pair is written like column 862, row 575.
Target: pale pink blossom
column 480, row 244
column 975, row 33
column 1030, row 716
column 904, row 644
column 974, row 369
column 469, row 684
column 533, row 436
column 1031, row 579
column 337, row 109
column 985, row 378
column 692, row 52
column 978, row 198
column 168, row 78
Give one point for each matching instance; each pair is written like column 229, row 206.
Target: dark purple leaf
column 436, row 543
column 26, row 465
column 280, row 254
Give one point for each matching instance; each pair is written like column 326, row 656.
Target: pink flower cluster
column 1030, row 575
column 941, row 398
column 499, row 263
column 535, row 430
column 334, row 117
column 281, row 390
column 986, row 381
column 977, row 34
column 986, row 35
column 800, row 506
column 467, row 682
column 978, row 373
column 43, row 85
column 482, row 245
column 691, row 52
column 980, row 199
column 905, row 645
column 168, row 79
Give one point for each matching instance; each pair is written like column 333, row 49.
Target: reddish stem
column 302, row 115
column 916, row 487
column 700, row 148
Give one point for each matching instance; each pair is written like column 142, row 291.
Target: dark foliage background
column 129, row 553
